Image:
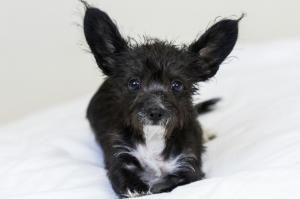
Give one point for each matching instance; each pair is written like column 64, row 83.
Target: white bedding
column 256, row 153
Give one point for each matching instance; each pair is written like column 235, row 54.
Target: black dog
column 143, row 115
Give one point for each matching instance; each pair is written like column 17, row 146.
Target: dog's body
column 142, row 115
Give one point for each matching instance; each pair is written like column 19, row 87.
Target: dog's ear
column 104, row 38
column 213, row 47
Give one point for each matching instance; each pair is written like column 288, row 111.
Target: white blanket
column 256, row 153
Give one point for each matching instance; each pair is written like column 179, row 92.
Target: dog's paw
column 167, row 184
column 161, row 187
column 134, row 194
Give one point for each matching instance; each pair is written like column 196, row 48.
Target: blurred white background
column 42, row 51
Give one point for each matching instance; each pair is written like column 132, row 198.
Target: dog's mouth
column 147, row 119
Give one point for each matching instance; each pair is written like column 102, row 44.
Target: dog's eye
column 176, row 86
column 134, row 84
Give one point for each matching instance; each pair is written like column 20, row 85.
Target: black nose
column 155, row 114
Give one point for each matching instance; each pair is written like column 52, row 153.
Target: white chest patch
column 154, row 139
column 149, row 155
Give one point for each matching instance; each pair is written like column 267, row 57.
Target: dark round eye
column 176, row 86
column 134, row 84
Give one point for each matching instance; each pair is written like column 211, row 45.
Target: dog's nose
column 155, row 114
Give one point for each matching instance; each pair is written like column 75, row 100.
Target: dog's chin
column 156, row 123
column 147, row 122
column 143, row 120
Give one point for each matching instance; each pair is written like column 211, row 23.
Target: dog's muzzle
column 155, row 114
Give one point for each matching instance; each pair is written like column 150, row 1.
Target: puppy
column 142, row 115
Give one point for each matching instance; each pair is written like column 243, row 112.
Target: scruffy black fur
column 151, row 83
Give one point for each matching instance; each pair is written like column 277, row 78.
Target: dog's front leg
column 171, row 181
column 125, row 180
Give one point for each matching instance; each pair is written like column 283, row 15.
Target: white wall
column 42, row 57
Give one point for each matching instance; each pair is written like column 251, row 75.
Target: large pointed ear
column 103, row 37
column 214, row 46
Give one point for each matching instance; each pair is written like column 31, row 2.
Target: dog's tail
column 206, row 106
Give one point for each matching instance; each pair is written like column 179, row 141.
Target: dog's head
column 155, row 80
